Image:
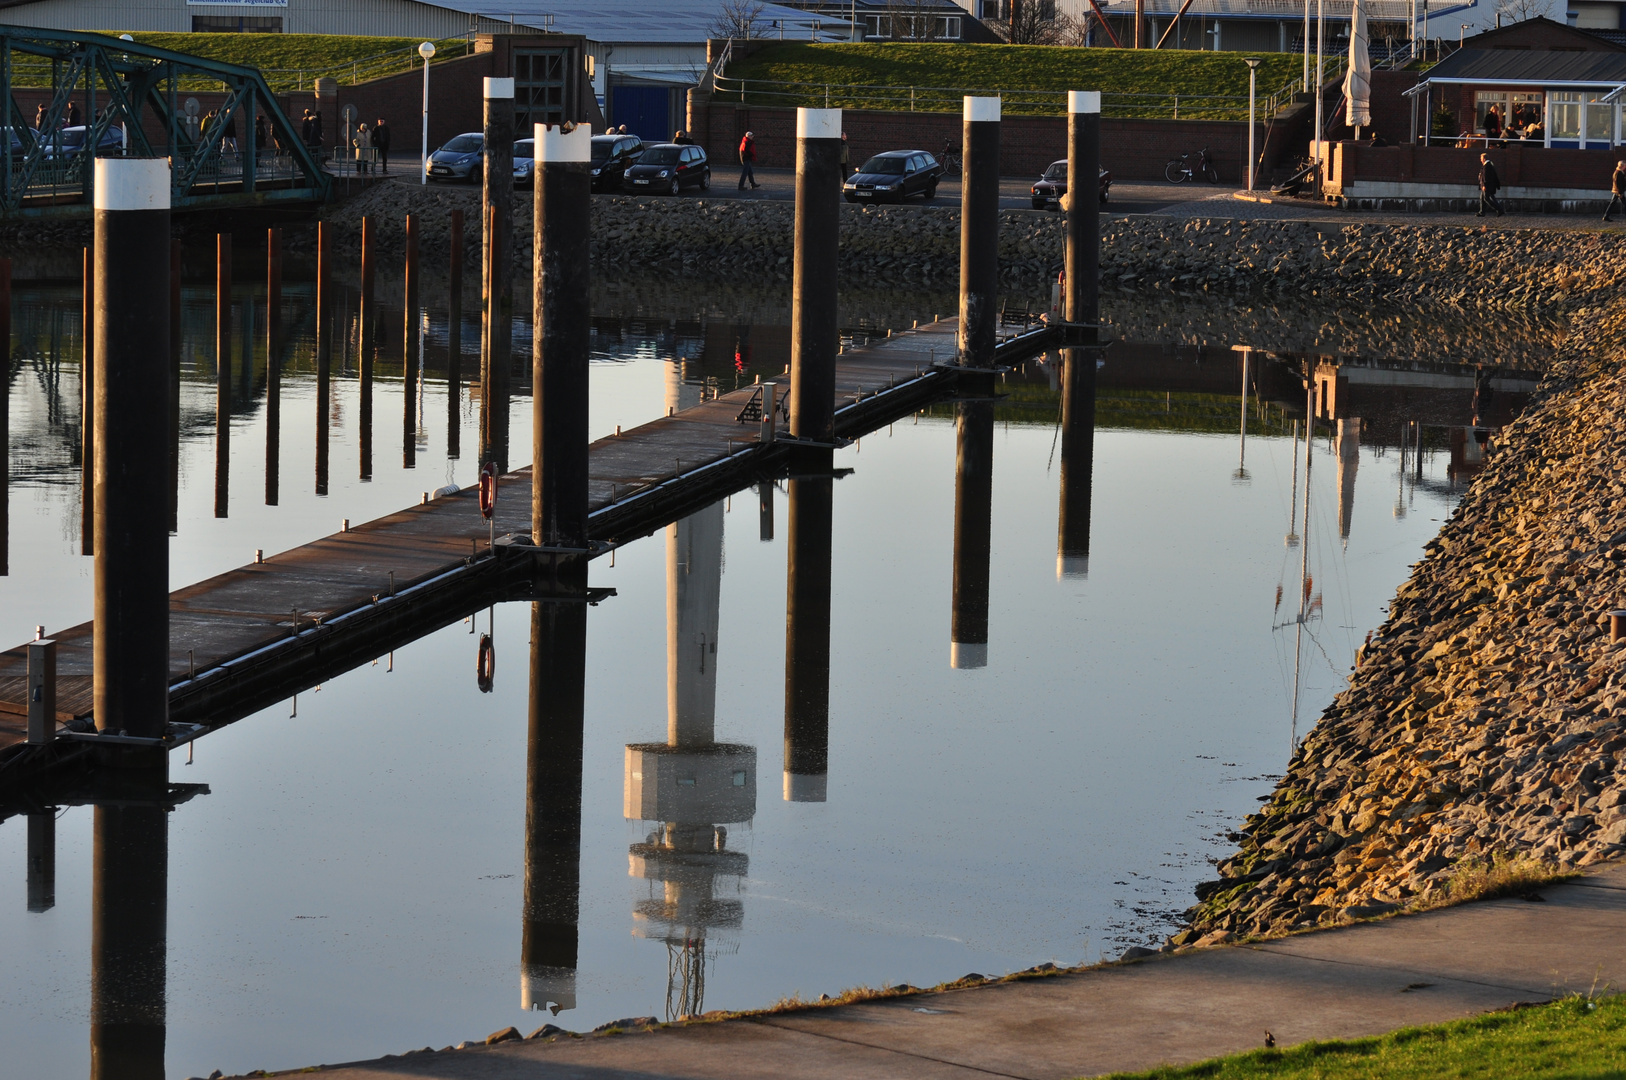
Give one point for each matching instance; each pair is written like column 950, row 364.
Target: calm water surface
column 351, row 884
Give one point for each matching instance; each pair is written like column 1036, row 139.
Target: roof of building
column 1376, row 10
column 1544, row 68
column 1541, row 34
column 628, row 20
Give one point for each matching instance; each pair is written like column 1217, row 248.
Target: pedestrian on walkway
column 1489, row 185
column 748, row 157
column 260, row 134
column 229, row 141
column 681, row 138
column 316, row 129
column 305, row 126
column 362, row 143
column 73, row 114
column 381, row 143
column 846, row 159
column 1617, row 190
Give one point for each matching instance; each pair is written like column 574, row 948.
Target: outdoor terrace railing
column 1136, row 106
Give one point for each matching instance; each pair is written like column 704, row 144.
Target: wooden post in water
column 815, row 336
column 1082, row 305
column 5, row 417
column 497, row 271
column 273, row 364
column 560, row 341
column 409, row 348
column 129, row 935
column 807, row 639
column 222, row 372
column 973, row 526
column 324, row 316
column 175, row 336
column 454, row 339
column 367, row 317
column 87, row 407
column 42, row 859
column 131, row 634
column 979, row 232
column 553, row 805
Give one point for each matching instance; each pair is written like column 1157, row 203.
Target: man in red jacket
column 748, row 156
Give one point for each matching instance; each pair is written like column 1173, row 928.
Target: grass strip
column 1570, row 1039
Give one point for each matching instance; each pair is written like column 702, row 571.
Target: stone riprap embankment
column 737, row 240
column 1487, row 716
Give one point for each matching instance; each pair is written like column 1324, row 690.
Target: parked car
column 668, row 167
column 68, row 141
column 1049, row 188
column 893, row 177
column 611, row 156
column 524, row 162
column 462, row 158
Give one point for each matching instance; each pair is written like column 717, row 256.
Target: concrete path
column 1363, row 980
column 1222, row 203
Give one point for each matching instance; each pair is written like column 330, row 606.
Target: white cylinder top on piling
column 497, row 89
column 1084, row 101
column 981, row 109
column 554, row 144
column 967, row 656
column 818, row 123
column 132, row 184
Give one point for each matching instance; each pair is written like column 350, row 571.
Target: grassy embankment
column 1578, row 1037
column 1033, row 78
column 292, row 62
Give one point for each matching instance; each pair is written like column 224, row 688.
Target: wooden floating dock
column 258, row 634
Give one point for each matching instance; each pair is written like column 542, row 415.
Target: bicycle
column 1180, row 169
column 950, row 159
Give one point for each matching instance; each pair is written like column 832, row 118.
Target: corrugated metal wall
column 383, row 18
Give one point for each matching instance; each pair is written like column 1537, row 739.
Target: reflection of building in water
column 1349, row 459
column 691, row 786
column 1469, row 448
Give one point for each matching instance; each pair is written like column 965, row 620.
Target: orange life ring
column 488, row 489
column 485, row 665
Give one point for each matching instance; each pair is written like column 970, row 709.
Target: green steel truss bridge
column 133, row 100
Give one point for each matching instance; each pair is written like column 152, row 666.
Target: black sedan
column 893, row 177
column 611, row 156
column 669, row 168
column 1049, row 188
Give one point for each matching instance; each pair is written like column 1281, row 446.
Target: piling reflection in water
column 128, row 934
column 973, row 527
column 324, row 328
column 692, row 787
column 367, row 320
column 5, row 417
column 273, row 364
column 1077, row 462
column 223, row 372
column 807, row 639
column 410, row 350
column 553, row 799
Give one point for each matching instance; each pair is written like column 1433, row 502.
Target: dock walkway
column 257, row 634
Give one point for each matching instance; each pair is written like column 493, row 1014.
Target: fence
column 1129, row 106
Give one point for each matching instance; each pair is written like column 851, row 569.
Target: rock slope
column 727, row 239
column 1487, row 716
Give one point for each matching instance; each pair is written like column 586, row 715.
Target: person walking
column 1617, row 190
column 316, row 129
column 229, row 141
column 362, row 143
column 260, row 131
column 39, row 117
column 748, row 157
column 305, row 130
column 846, row 159
column 381, row 143
column 206, row 125
column 681, row 138
column 1489, row 185
column 73, row 114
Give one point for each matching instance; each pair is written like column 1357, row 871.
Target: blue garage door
column 646, row 110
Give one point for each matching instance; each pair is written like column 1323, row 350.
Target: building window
column 1564, row 114
column 237, row 24
column 1524, row 117
column 1600, row 120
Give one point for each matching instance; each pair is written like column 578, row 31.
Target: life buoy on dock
column 488, row 489
column 485, row 665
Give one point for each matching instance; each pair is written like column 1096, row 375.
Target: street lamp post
column 426, row 50
column 1253, row 63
